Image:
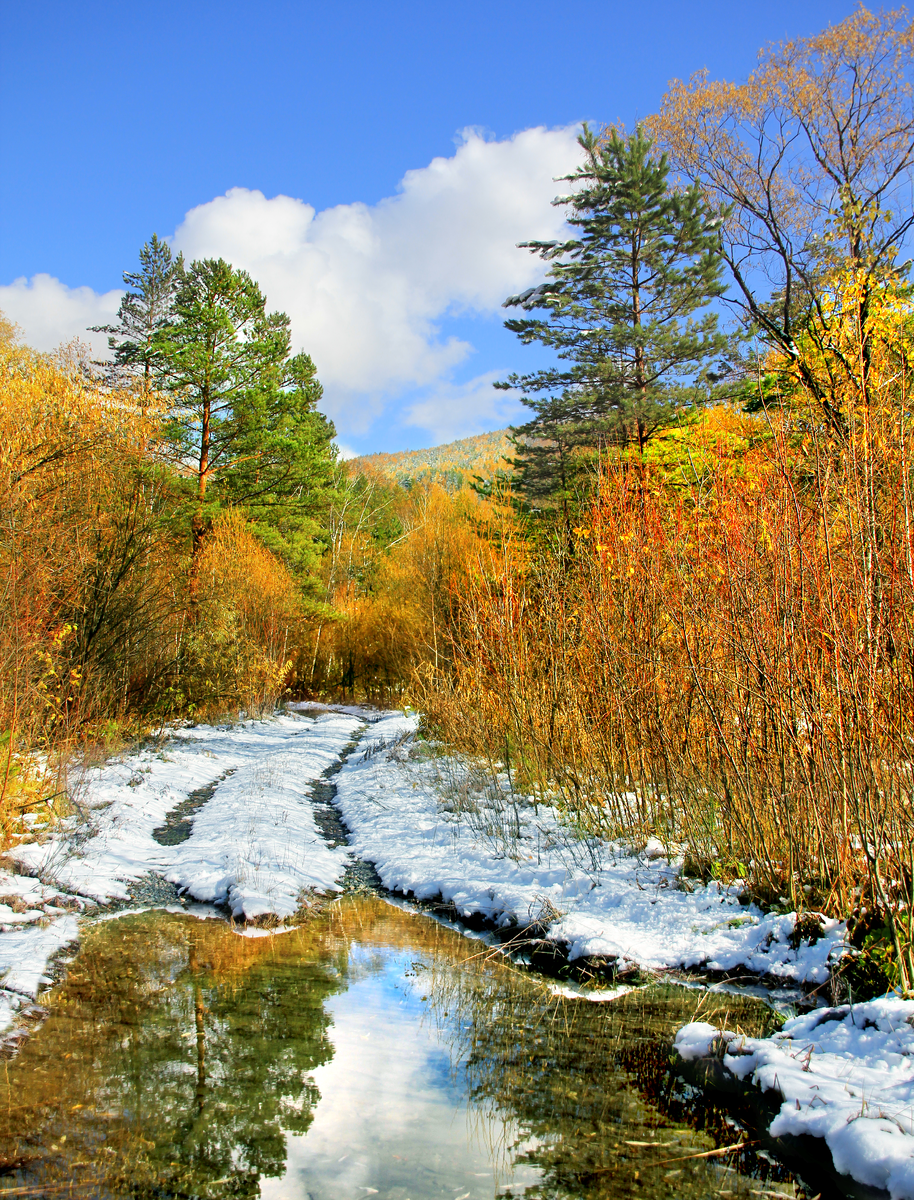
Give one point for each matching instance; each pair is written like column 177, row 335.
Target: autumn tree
column 621, row 308
column 809, row 166
column 86, row 552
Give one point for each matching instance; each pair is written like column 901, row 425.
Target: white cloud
column 368, row 287
column 49, row 312
column 457, row 410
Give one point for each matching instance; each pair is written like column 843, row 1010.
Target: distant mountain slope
column 452, row 464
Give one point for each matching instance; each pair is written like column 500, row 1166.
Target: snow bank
column 34, row 926
column 845, row 1074
column 25, row 954
column 253, row 846
column 593, row 897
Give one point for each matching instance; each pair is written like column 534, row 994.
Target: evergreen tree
column 144, row 313
column 284, row 465
column 244, row 429
column 619, row 305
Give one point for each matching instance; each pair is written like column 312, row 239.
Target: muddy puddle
column 373, row 1053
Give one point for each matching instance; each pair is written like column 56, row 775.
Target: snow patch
column 845, row 1074
column 25, row 954
column 597, row 898
column 254, row 845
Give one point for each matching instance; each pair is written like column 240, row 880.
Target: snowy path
column 253, row 840
column 254, row 845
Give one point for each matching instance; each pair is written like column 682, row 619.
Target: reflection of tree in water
column 586, row 1083
column 195, row 1046
column 179, row 1053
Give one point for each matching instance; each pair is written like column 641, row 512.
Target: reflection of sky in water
column 392, row 1121
column 334, row 1062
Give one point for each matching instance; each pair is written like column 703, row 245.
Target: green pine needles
column 622, row 308
column 242, row 429
column 143, row 315
column 244, row 426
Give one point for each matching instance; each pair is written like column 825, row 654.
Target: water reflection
column 592, row 1088
column 177, row 1057
column 393, row 1118
column 370, row 1053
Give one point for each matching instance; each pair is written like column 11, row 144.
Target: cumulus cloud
column 49, row 312
column 369, row 288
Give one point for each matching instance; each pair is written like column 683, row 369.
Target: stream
column 372, row 1052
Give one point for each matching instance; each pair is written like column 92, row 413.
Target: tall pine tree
column 284, row 467
column 144, row 313
column 621, row 307
column 244, row 429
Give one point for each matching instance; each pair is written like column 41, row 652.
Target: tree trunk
column 197, row 523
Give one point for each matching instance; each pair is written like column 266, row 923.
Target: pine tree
column 244, row 429
column 620, row 305
column 284, row 468
column 144, row 312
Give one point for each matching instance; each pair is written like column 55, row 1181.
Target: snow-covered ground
column 845, row 1074
column 521, row 864
column 254, row 844
column 35, row 925
column 424, row 822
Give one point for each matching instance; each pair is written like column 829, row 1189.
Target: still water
column 370, row 1053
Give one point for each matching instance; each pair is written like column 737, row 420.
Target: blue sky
column 409, row 147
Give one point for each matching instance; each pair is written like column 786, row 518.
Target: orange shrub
column 247, row 626
column 728, row 667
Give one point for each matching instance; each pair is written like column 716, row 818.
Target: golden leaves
column 811, row 148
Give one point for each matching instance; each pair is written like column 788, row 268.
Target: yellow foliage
column 827, row 112
column 248, row 623
column 809, row 164
column 95, row 625
column 395, row 595
column 74, row 543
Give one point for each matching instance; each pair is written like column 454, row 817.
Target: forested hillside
column 451, row 465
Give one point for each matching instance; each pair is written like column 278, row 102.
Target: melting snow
column 254, row 844
column 845, row 1074
column 597, row 898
